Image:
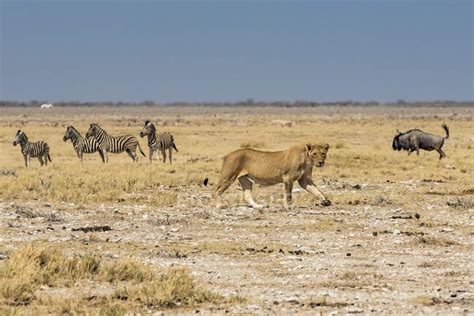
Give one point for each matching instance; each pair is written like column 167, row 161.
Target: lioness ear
column 326, row 146
column 308, row 147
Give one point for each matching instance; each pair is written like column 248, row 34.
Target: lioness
column 269, row 168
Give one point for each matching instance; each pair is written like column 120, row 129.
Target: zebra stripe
column 82, row 145
column 39, row 149
column 158, row 142
column 114, row 144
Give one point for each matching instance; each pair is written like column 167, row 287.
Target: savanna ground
column 138, row 237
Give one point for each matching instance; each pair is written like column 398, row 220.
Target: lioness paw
column 326, row 203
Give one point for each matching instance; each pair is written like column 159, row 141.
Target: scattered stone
column 93, row 229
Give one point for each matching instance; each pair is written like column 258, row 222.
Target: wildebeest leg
column 170, row 154
column 247, row 188
column 309, row 186
column 41, row 160
column 288, row 188
column 441, row 153
column 163, row 153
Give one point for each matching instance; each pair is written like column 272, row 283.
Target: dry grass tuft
column 31, row 267
column 175, row 287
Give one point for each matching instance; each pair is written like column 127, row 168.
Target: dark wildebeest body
column 416, row 139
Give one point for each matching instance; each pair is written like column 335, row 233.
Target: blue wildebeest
column 416, row 139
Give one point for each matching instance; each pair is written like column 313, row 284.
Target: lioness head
column 317, row 153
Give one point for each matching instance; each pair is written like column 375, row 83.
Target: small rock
column 446, row 230
column 348, row 254
column 417, row 216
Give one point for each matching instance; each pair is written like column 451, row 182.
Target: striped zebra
column 114, row 144
column 37, row 149
column 82, row 145
column 160, row 142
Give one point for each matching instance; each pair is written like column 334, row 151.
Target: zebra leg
column 45, row 156
column 163, row 152
column 132, row 155
column 82, row 160
column 106, row 157
column 101, row 153
column 170, row 154
column 150, row 154
column 26, row 160
column 41, row 160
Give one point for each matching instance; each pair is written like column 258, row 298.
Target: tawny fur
column 269, row 168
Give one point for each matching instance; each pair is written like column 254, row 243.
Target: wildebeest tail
column 446, row 129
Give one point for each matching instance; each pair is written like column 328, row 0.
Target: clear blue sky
column 228, row 51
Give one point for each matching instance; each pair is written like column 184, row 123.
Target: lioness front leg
column 247, row 188
column 309, row 186
column 288, row 189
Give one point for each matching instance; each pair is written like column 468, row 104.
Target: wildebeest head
column 396, row 144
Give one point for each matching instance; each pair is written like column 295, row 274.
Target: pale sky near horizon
column 234, row 50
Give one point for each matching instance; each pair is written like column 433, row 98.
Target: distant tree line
column 246, row 103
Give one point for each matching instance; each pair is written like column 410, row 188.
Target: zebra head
column 148, row 129
column 94, row 129
column 69, row 133
column 20, row 138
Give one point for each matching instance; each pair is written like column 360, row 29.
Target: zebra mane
column 23, row 134
column 99, row 127
column 152, row 126
column 75, row 130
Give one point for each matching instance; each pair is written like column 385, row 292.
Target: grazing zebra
column 37, row 149
column 159, row 142
column 82, row 145
column 114, row 144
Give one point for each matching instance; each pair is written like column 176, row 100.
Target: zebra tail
column 47, row 149
column 141, row 150
column 174, row 146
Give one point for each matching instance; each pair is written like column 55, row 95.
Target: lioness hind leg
column 247, row 188
column 288, row 189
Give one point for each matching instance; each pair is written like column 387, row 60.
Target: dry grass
column 32, row 267
column 164, row 215
column 361, row 150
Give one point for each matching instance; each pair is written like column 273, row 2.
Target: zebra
column 114, row 144
column 82, row 145
column 39, row 149
column 159, row 142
